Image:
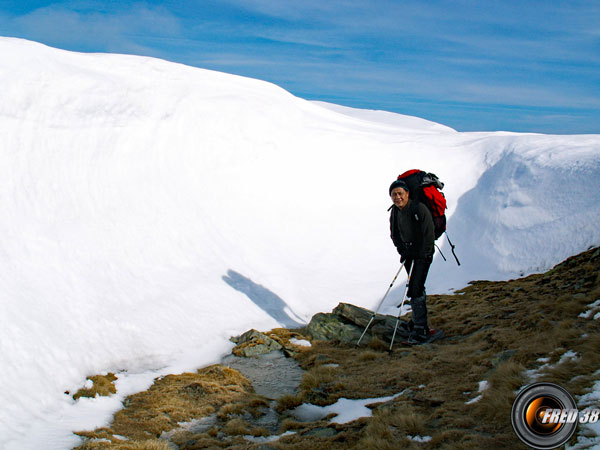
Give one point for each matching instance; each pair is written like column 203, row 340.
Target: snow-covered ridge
column 151, row 210
column 401, row 121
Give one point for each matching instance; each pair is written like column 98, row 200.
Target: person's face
column 400, row 197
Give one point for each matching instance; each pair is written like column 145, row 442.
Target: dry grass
column 378, row 345
column 287, row 402
column 236, row 427
column 495, row 332
column 103, row 385
column 149, row 444
column 318, row 376
column 180, row 398
column 368, row 356
column 496, row 402
column 284, row 335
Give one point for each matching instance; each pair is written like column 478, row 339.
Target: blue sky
column 529, row 65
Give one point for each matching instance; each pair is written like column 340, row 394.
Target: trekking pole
column 380, row 303
column 401, row 305
column 452, row 247
column 440, row 251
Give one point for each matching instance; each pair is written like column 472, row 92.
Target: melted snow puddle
column 272, row 375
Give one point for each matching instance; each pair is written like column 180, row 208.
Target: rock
column 254, row 343
column 327, row 327
column 347, row 322
column 355, row 314
column 382, row 325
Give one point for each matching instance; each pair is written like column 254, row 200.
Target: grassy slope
column 497, row 332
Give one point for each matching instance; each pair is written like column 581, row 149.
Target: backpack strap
column 413, row 211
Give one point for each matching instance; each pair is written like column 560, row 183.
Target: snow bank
column 151, row 210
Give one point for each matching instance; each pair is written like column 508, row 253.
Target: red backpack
column 426, row 188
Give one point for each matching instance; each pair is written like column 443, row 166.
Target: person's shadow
column 269, row 302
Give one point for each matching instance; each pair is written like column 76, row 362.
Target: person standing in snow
column 412, row 233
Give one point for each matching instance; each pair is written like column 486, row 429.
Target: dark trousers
column 416, row 287
column 416, row 290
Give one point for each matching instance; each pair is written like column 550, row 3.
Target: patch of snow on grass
column 483, row 385
column 422, row 439
column 533, row 374
column 300, row 342
column 593, row 308
column 347, row 410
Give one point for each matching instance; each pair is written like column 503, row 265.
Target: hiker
column 412, row 232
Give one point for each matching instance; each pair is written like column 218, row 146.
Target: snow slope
column 386, row 118
column 151, row 210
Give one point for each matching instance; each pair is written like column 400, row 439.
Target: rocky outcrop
column 254, row 343
column 326, row 327
column 347, row 322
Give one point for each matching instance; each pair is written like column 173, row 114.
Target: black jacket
column 411, row 229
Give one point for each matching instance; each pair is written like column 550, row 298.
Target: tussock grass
column 230, row 409
column 496, row 402
column 260, row 432
column 149, row 444
column 287, row 402
column 103, row 385
column 409, row 422
column 379, row 428
column 384, row 443
column 236, row 427
column 291, row 425
column 369, row 356
column 284, row 335
column 318, row 376
column 378, row 345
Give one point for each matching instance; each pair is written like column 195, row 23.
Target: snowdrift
column 151, row 210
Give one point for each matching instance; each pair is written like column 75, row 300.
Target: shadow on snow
column 268, row 301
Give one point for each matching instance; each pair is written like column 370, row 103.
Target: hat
column 398, row 184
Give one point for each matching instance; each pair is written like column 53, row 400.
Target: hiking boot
column 422, row 335
column 419, row 335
